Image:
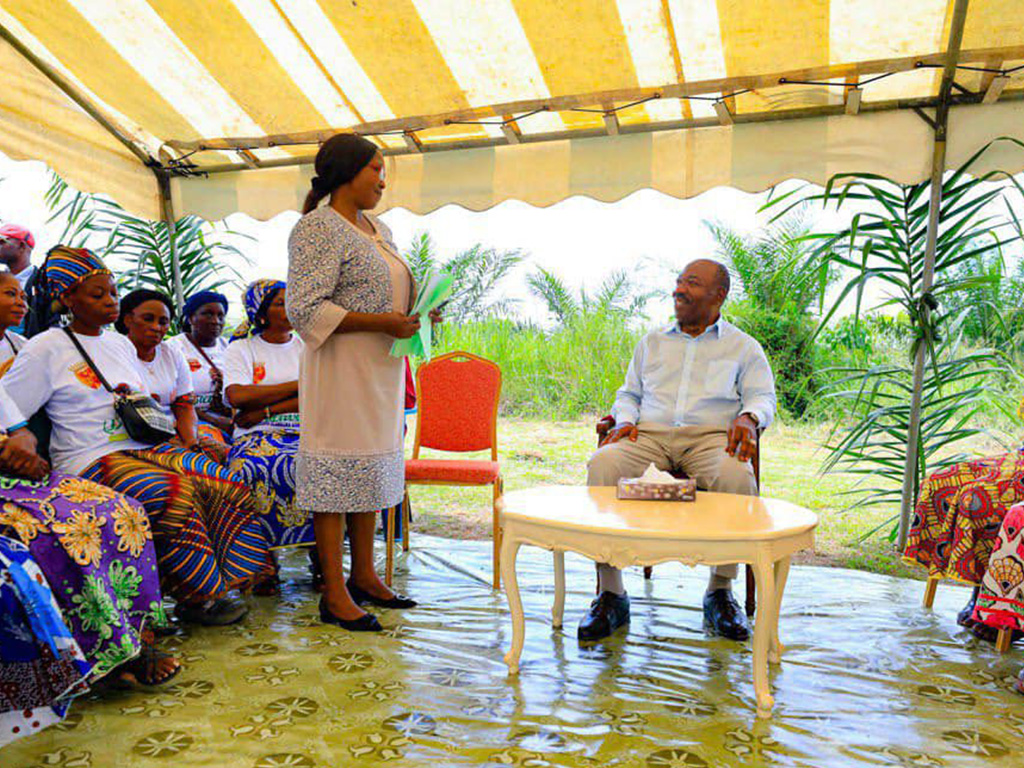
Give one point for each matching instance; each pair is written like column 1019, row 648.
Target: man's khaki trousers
column 697, row 451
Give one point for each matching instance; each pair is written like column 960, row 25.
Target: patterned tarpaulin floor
column 868, row 678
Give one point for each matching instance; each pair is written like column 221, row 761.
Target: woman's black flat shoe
column 360, row 596
column 365, row 623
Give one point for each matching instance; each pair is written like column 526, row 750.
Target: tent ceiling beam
column 131, row 143
column 731, row 86
column 916, row 105
column 995, row 89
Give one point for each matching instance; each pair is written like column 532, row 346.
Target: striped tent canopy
column 221, row 105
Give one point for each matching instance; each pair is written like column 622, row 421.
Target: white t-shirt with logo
column 49, row 372
column 10, row 344
column 166, row 375
column 10, row 416
column 202, row 381
column 255, row 361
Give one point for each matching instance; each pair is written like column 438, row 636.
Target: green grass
column 535, row 452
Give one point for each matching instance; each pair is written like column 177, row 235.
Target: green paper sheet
column 434, row 290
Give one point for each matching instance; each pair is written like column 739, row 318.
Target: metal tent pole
column 910, row 467
column 167, row 208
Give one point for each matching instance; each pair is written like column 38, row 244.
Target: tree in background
column 779, row 284
column 476, row 273
column 620, row 296
column 990, row 298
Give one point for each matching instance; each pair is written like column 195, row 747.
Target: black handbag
column 141, row 415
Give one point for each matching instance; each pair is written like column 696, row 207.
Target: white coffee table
column 715, row 529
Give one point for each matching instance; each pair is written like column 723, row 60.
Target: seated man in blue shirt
column 695, row 395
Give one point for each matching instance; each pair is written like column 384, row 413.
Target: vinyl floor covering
column 868, row 678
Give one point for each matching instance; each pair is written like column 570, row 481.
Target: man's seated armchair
column 606, row 423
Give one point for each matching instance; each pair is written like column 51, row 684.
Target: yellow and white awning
column 479, row 101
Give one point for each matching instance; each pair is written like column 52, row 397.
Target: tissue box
column 683, row 490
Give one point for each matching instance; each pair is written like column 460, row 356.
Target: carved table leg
column 763, row 627
column 776, row 648
column 509, row 551
column 559, row 604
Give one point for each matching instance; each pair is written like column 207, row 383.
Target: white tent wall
column 680, row 163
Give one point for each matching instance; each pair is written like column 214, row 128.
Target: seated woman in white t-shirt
column 13, row 308
column 144, row 319
column 207, row 538
column 261, row 381
column 203, row 346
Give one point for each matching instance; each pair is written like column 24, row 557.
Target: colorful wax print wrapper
column 434, row 290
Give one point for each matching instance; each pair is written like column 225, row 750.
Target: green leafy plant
column 477, row 274
column 619, row 295
column 884, row 246
column 139, row 250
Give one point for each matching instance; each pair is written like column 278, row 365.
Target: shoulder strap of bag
column 200, row 351
column 88, row 360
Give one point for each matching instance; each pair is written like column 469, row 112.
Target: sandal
column 143, row 669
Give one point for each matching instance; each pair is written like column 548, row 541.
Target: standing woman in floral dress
column 349, row 296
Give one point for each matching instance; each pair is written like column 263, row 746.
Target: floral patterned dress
column 957, row 519
column 95, row 547
column 1001, row 599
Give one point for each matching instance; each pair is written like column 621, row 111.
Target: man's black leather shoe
column 607, row 613
column 723, row 615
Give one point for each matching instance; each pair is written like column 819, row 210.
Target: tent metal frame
column 940, row 126
column 993, row 81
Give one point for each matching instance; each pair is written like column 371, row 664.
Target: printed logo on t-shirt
column 259, row 372
column 194, row 365
column 114, row 430
column 86, row 375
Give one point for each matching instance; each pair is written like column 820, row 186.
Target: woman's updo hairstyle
column 339, row 160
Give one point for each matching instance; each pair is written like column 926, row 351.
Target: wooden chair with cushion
column 605, row 425
column 458, row 413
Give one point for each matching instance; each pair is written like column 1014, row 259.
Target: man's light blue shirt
column 680, row 380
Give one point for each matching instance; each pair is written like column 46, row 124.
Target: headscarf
column 257, row 298
column 137, row 298
column 197, row 300
column 66, row 268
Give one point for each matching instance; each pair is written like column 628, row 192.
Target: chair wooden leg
column 1004, row 639
column 648, row 572
column 496, row 534
column 751, row 602
column 389, row 568
column 929, row 592
column 406, row 517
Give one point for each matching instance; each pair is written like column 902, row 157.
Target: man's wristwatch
column 752, row 417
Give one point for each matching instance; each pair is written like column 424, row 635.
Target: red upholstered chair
column 458, row 412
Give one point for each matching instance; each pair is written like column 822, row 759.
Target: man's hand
column 742, row 438
column 622, row 431
column 18, row 456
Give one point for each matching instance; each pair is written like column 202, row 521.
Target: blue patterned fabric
column 266, row 461
column 41, row 665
